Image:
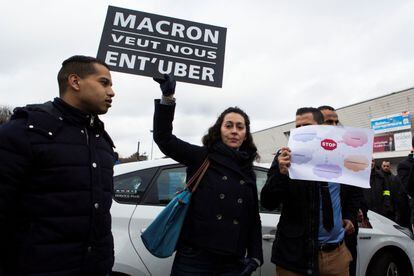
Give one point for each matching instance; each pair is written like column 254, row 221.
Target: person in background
column 405, row 215
column 378, row 197
column 222, row 233
column 314, row 219
column 351, row 239
column 116, row 154
column 330, row 117
column 394, row 186
column 56, row 169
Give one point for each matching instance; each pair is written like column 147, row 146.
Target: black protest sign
column 151, row 45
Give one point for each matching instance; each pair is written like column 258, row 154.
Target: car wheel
column 386, row 264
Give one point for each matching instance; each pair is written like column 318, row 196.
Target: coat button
column 97, row 135
column 89, row 249
column 219, row 216
column 82, row 131
column 60, row 118
column 240, row 200
column 224, row 177
column 96, row 205
column 50, row 133
column 235, row 221
column 222, row 196
column 31, row 126
column 242, row 182
column 94, row 165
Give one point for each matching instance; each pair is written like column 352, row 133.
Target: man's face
column 305, row 119
column 330, row 117
column 386, row 166
column 95, row 94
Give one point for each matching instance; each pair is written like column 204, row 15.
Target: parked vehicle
column 142, row 189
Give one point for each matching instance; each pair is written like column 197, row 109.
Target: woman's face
column 233, row 130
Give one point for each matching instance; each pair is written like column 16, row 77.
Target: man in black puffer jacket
column 56, row 167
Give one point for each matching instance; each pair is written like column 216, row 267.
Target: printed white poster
column 403, row 140
column 331, row 154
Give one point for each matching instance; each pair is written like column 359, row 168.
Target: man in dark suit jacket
column 351, row 239
column 303, row 242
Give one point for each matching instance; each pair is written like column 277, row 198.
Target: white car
column 142, row 189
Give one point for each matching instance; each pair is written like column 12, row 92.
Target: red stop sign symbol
column 328, row 144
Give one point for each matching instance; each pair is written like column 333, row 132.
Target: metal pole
column 152, row 143
column 138, row 151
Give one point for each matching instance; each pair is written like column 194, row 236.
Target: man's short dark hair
column 317, row 114
column 412, row 142
column 82, row 66
column 326, row 107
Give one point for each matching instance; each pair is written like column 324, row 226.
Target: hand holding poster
column 152, row 45
column 331, row 154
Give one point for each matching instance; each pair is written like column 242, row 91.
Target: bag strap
column 198, row 175
column 201, row 175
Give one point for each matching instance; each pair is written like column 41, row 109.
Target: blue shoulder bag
column 161, row 236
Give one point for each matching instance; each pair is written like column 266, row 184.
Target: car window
column 171, row 180
column 261, row 177
column 166, row 185
column 129, row 188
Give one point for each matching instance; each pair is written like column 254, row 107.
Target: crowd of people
column 56, row 168
column 390, row 195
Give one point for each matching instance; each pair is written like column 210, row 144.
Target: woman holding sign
column 221, row 234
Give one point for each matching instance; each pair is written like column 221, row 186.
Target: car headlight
column 405, row 231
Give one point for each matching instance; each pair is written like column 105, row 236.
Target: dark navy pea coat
column 224, row 213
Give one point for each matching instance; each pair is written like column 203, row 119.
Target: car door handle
column 268, row 237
